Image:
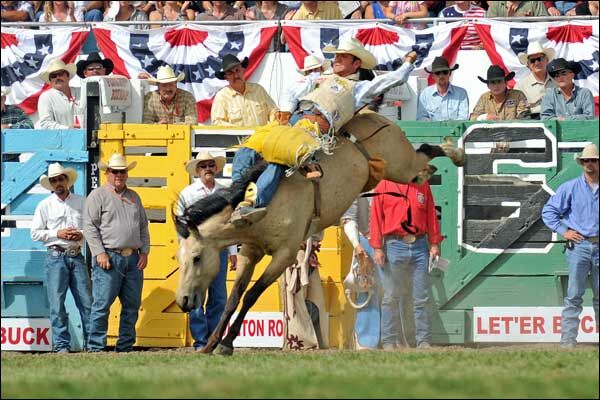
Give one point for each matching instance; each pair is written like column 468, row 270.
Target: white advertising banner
column 260, row 329
column 26, row 334
column 528, row 325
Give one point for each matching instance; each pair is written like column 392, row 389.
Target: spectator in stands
column 312, row 10
column 16, row 11
column 169, row 104
column 378, row 10
column 557, row 8
column 404, row 10
column 126, row 11
column 116, row 229
column 516, row 9
column 442, row 101
column 221, row 11
column 567, row 100
column 464, row 9
column 58, row 223
column 93, row 11
column 12, row 116
column 267, row 11
column 56, row 106
column 61, row 11
column 94, row 65
column 405, row 232
column 166, row 11
column 434, row 8
column 240, row 103
column 572, row 212
column 500, row 103
column 538, row 81
column 193, row 8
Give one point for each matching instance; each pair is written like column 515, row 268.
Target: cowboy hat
column 116, row 161
column 190, row 166
column 5, row 90
column 589, row 151
column 494, row 73
column 535, row 48
column 440, row 64
column 353, row 46
column 94, row 58
column 54, row 170
column 311, row 62
column 230, row 61
column 166, row 74
column 561, row 64
column 58, row 65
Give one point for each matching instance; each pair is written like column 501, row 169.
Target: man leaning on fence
column 57, row 222
column 116, row 229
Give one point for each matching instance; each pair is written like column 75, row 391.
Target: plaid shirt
column 16, row 117
column 181, row 111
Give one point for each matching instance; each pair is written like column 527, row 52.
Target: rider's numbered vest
column 334, row 99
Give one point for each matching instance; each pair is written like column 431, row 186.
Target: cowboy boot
column 245, row 213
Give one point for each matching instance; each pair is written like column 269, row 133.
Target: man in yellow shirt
column 240, row 103
column 318, row 10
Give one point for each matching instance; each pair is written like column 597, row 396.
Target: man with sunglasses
column 57, row 222
column 94, row 65
column 538, row 81
column 204, row 319
column 567, row 101
column 573, row 213
column 442, row 101
column 56, row 106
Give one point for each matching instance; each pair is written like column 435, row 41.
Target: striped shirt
column 253, row 108
column 182, row 109
column 471, row 40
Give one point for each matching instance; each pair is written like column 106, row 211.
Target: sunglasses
column 438, row 73
column 207, row 165
column 536, row 59
column 57, row 179
column 117, row 171
column 564, row 72
column 97, row 68
column 57, row 74
column 588, row 160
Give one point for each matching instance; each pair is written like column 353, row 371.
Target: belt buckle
column 127, row 252
column 72, row 252
column 409, row 238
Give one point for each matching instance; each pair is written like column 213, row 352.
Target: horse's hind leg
column 446, row 149
column 248, row 257
column 281, row 259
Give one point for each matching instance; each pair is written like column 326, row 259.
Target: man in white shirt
column 56, row 106
column 58, row 222
column 204, row 320
column 535, row 84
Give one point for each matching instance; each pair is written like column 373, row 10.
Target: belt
column 408, row 238
column 126, row 252
column 71, row 252
column 592, row 239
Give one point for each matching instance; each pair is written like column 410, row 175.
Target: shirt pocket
column 235, row 116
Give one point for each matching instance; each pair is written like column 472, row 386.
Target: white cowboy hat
column 5, row 90
column 55, row 169
column 58, row 65
column 536, row 48
column 166, row 74
column 355, row 47
column 190, row 166
column 311, row 62
column 589, row 151
column 116, row 161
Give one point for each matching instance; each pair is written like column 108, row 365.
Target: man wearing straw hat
column 204, row 319
column 57, row 222
column 56, row 106
column 573, row 213
column 538, row 81
column 168, row 104
column 116, row 230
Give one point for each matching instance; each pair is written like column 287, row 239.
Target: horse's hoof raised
column 224, row 350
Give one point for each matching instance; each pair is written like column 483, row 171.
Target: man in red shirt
column 404, row 232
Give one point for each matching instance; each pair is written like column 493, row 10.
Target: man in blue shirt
column 567, row 101
column 573, row 213
column 442, row 101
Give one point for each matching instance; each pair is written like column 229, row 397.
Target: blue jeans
column 583, row 261
column 94, row 15
column 405, row 307
column 564, row 6
column 368, row 319
column 244, row 159
column 204, row 319
column 124, row 280
column 64, row 272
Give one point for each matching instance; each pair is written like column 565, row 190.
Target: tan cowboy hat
column 58, row 65
column 55, row 169
column 5, row 90
column 190, row 166
column 166, row 74
column 355, row 47
column 311, row 62
column 589, row 151
column 116, row 161
column 536, row 48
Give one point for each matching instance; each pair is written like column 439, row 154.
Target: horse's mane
column 210, row 205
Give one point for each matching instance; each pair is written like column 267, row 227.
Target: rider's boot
column 245, row 213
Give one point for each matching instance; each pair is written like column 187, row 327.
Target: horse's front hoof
column 205, row 350
column 223, row 350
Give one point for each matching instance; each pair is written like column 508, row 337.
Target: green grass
column 450, row 372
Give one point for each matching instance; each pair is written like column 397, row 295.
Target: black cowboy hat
column 560, row 64
column 94, row 58
column 494, row 73
column 230, row 61
column 440, row 64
